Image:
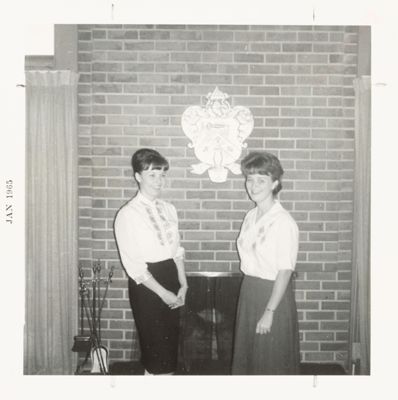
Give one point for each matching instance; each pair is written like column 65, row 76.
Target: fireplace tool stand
column 93, row 293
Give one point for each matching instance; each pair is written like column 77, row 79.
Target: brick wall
column 135, row 83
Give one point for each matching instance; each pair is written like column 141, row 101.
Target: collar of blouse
column 146, row 201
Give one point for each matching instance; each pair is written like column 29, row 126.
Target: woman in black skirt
column 147, row 236
column 266, row 334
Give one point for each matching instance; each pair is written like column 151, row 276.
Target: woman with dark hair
column 147, row 236
column 266, row 333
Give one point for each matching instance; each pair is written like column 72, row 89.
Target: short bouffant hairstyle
column 143, row 159
column 263, row 163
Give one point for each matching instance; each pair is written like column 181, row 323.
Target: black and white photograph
column 200, row 196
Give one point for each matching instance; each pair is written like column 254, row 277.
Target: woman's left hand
column 182, row 293
column 265, row 323
column 181, row 297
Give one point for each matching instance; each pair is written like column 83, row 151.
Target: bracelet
column 268, row 309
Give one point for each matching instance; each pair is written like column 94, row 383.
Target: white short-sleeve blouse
column 146, row 231
column 268, row 245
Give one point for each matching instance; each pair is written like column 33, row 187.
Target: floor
column 135, row 368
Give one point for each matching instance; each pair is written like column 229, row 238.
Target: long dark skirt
column 274, row 353
column 157, row 325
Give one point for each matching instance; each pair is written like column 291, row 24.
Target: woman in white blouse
column 147, row 236
column 266, row 333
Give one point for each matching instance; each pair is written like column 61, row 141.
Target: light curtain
column 360, row 294
column 51, row 222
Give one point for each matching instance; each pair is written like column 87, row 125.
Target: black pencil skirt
column 157, row 325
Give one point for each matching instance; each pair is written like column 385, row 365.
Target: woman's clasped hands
column 174, row 301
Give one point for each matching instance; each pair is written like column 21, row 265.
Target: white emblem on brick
column 217, row 132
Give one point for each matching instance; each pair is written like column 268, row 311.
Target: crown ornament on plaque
column 217, row 132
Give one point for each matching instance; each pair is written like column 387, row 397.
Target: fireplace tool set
column 93, row 293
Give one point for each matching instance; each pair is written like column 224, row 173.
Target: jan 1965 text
column 9, row 209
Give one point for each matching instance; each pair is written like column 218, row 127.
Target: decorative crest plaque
column 217, row 132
